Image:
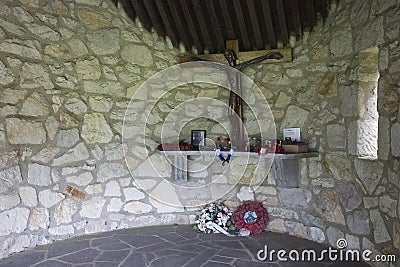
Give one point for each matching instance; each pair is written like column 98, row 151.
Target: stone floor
column 164, row 246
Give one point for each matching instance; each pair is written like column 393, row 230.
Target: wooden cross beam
column 235, row 110
column 243, row 56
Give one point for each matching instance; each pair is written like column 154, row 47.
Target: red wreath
column 260, row 222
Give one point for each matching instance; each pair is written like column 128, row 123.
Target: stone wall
column 68, row 70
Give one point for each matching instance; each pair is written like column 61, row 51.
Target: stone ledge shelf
column 285, row 168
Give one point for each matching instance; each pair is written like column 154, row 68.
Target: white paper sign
column 293, row 133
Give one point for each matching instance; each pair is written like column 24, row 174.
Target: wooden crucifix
column 232, row 56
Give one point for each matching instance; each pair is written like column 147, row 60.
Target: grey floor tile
column 116, row 256
column 140, row 241
column 172, row 261
column 23, row 259
column 83, row 256
column 68, row 246
column 135, row 259
column 114, row 246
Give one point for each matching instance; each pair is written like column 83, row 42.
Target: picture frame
column 198, row 138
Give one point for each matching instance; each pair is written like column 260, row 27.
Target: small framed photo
column 198, row 138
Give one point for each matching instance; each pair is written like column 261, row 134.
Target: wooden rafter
column 227, row 19
column 203, row 24
column 190, row 24
column 178, row 23
column 129, row 9
column 296, row 18
column 217, row 27
column 310, row 13
column 255, row 25
column 269, row 24
column 242, row 26
column 166, row 20
column 282, row 21
column 154, row 17
column 141, row 11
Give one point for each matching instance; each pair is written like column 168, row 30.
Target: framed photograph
column 198, row 138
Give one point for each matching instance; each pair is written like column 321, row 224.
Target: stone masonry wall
column 68, row 70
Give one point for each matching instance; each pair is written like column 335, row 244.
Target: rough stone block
column 48, row 198
column 78, row 153
column 336, row 136
column 65, row 211
column 28, row 196
column 95, row 129
column 369, row 172
column 137, row 207
column 39, row 175
column 9, row 177
column 293, row 197
column 381, row 234
column 92, row 208
column 328, row 205
column 25, row 132
column 358, row 222
column 13, row 221
column 39, row 219
column 395, row 141
column 349, row 195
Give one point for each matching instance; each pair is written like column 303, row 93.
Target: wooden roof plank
column 242, row 25
column 142, row 13
column 227, row 20
column 178, row 22
column 167, row 23
column 296, row 18
column 310, row 13
column 155, row 19
column 282, row 21
column 127, row 6
column 203, row 25
column 269, row 24
column 216, row 25
column 255, row 24
column 189, row 22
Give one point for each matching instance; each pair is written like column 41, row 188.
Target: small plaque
column 292, row 133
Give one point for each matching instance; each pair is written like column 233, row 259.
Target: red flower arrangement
column 252, row 216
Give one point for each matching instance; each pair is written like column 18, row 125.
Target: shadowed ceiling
column 207, row 24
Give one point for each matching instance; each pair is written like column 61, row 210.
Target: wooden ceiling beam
column 255, row 24
column 268, row 21
column 310, row 13
column 296, row 18
column 282, row 21
column 215, row 25
column 243, row 56
column 183, row 37
column 129, row 10
column 203, row 24
column 154, row 17
column 242, row 25
column 167, row 23
column 227, row 20
column 142, row 13
column 321, row 8
column 189, row 22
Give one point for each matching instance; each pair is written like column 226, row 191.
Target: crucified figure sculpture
column 235, row 111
